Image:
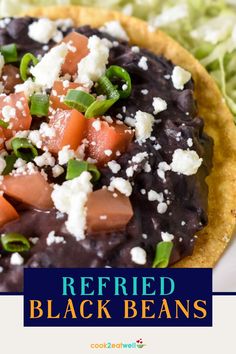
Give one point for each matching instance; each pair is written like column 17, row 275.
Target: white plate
column 224, row 274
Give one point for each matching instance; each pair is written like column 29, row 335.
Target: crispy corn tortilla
column 213, row 239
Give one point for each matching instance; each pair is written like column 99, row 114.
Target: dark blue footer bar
column 118, row 297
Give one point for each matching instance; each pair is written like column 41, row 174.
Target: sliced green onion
column 94, row 172
column 115, row 74
column 39, row 105
column 98, row 108
column 79, row 100
column 10, row 162
column 105, row 87
column 14, row 242
column 163, row 252
column 9, row 51
column 24, row 65
column 3, row 124
column 23, row 148
column 75, row 168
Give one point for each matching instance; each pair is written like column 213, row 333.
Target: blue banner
column 117, row 297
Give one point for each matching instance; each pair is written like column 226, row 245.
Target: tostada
column 108, row 132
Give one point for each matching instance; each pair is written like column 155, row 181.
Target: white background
column 15, row 339
column 224, row 275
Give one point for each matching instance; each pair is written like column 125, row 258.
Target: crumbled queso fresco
column 103, row 165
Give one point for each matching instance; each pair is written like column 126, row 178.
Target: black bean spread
column 161, row 172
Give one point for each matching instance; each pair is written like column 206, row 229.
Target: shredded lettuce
column 207, row 28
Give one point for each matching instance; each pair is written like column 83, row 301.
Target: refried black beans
column 186, row 196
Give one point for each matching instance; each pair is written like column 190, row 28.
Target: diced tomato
column 107, row 141
column 69, row 127
column 15, row 106
column 31, row 189
column 58, row 94
column 78, row 50
column 10, row 78
column 2, row 138
column 7, row 212
column 106, row 212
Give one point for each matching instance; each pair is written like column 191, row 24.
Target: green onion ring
column 75, row 168
column 10, row 162
column 98, row 108
column 79, row 100
column 39, row 105
column 23, row 148
column 3, row 124
column 24, row 65
column 14, row 242
column 9, row 52
column 115, row 73
column 163, row 252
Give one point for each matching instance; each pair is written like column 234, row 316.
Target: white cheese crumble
column 143, row 125
column 139, row 157
column 93, row 66
column 159, row 105
column 1, row 87
column 115, row 29
column 46, row 131
column 48, row 69
column 34, row 240
column 103, row 217
column 96, row 125
column 46, row 159
column 16, row 259
column 65, row 154
column 130, row 122
column 167, row 77
column 8, row 112
column 19, row 163
column 163, row 167
column 27, row 169
column 166, row 237
column 71, row 198
column 57, row 170
column 190, row 142
column 154, row 196
column 135, row 49
column 180, row 77
column 143, row 63
column 108, row 119
column 122, row 185
column 186, row 162
column 114, row 166
column 130, row 171
column 2, row 164
column 2, row 62
column 64, row 23
column 162, row 208
column 147, row 167
column 138, row 255
column 54, row 239
column 44, row 30
column 108, row 152
column 35, row 138
column 29, row 87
